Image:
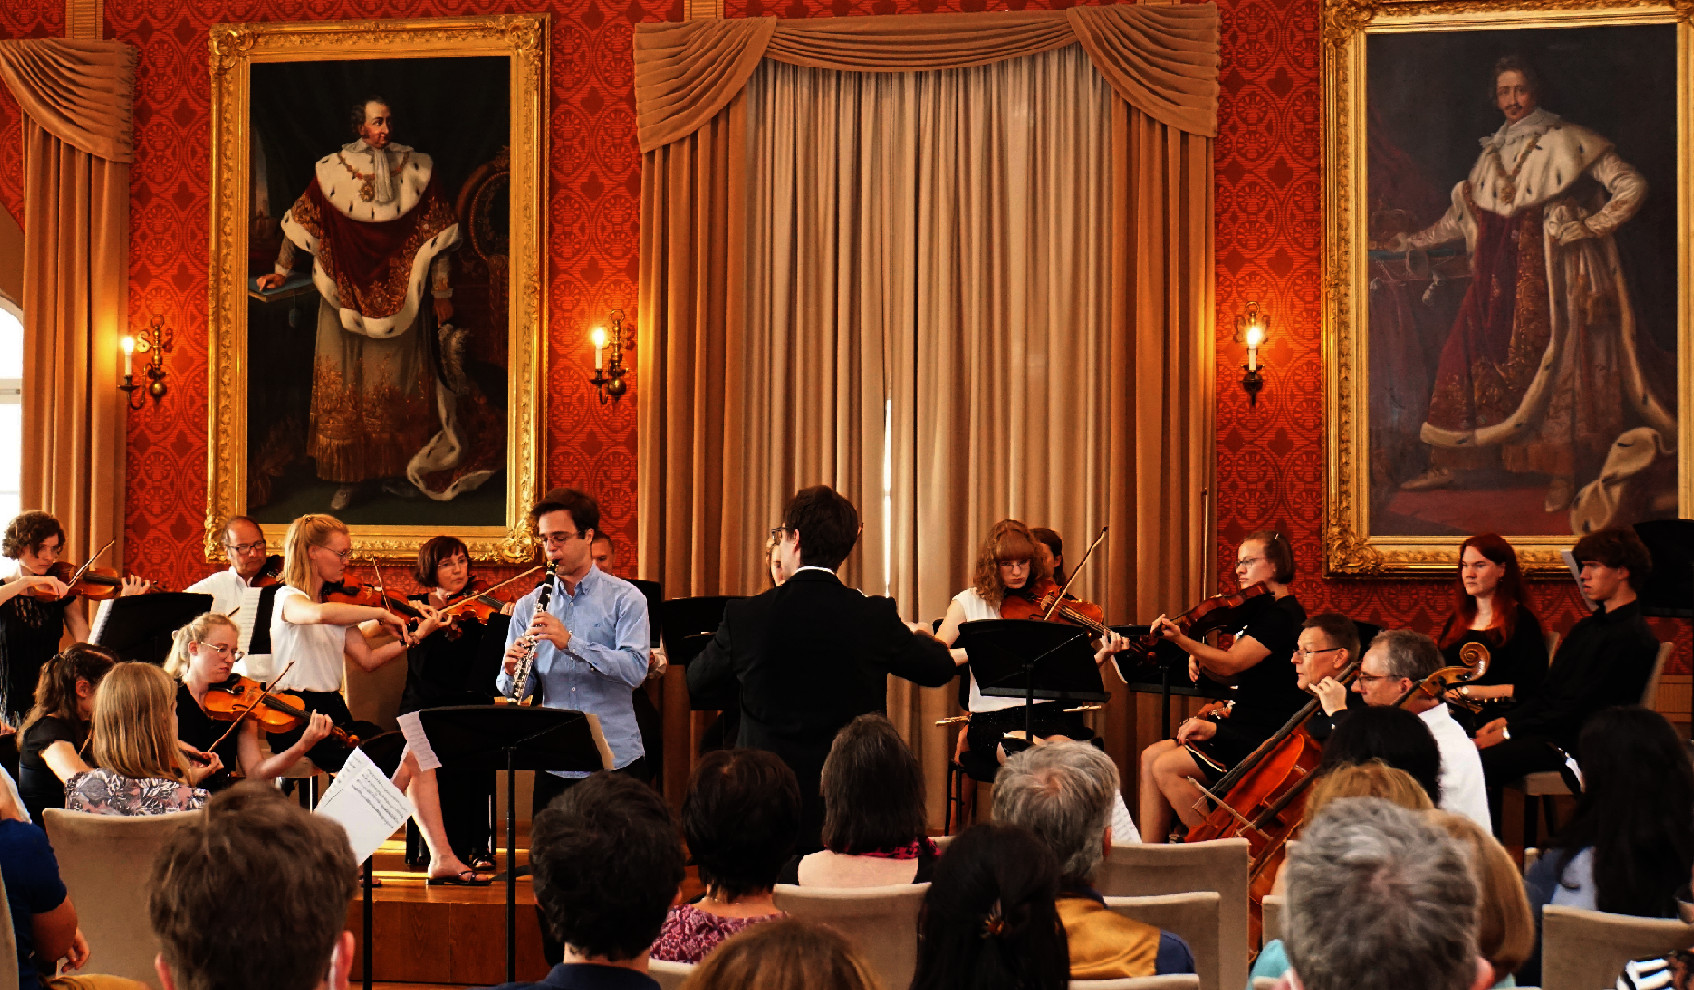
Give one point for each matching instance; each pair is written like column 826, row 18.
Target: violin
column 1213, row 613
column 243, row 697
column 269, row 574
column 372, row 596
column 89, row 581
column 477, row 600
column 1051, row 603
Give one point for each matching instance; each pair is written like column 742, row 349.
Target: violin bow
column 266, row 693
column 511, row 580
column 80, row 571
column 1075, row 571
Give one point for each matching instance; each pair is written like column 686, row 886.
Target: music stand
column 1669, row 589
column 651, row 591
column 513, row 738
column 140, row 627
column 1150, row 672
column 1030, row 659
column 688, row 624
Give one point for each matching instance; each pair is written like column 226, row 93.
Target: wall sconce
column 608, row 379
column 155, row 340
column 1250, row 329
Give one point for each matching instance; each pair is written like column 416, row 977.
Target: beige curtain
column 76, row 96
column 731, row 418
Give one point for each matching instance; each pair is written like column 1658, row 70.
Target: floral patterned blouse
column 690, row 934
column 103, row 792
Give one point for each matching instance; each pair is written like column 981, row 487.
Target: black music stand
column 1151, row 672
column 1030, row 659
column 655, row 596
column 1669, row 589
column 139, row 627
column 512, row 738
column 686, row 625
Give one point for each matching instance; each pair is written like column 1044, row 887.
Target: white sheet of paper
column 366, row 803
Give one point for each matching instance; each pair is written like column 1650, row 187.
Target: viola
column 273, row 711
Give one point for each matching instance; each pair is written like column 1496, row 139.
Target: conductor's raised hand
column 548, row 627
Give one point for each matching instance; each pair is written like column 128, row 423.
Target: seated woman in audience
column 1629, row 844
column 785, row 955
column 989, row 920
column 873, row 813
column 141, row 770
column 1493, row 609
column 1505, row 927
column 740, row 819
column 55, row 735
column 44, row 922
column 202, row 655
column 1392, row 735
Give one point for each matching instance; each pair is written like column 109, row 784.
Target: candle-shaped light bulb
column 128, row 344
column 599, row 338
column 1255, row 337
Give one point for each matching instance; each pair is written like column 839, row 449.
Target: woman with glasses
column 1492, row 608
column 202, row 655
column 1261, row 689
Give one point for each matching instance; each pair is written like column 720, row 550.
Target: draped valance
column 1161, row 59
column 79, row 91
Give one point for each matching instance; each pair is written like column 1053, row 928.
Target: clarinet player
column 589, row 637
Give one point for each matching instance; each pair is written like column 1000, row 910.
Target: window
column 11, row 408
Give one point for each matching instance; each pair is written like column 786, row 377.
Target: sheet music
column 98, row 627
column 366, row 804
column 259, row 666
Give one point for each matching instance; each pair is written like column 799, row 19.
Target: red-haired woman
column 1493, row 609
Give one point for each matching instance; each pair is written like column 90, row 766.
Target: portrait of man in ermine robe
column 377, row 300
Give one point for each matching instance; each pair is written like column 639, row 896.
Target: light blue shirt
column 605, row 661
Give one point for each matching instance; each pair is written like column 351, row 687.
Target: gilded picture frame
column 473, row 90
column 1506, row 279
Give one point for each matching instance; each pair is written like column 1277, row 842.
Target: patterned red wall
column 1269, row 242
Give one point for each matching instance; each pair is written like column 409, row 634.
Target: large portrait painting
column 376, row 302
column 1506, row 227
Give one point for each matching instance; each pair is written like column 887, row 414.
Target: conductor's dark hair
column 827, row 523
column 1394, row 736
column 607, row 863
column 356, row 112
column 1617, row 547
column 741, row 819
column 28, row 531
column 872, row 789
column 989, row 921
column 585, row 512
column 432, row 553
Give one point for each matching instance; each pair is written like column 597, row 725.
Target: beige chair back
column 671, row 975
column 1194, row 916
column 1175, row 981
column 1586, row 950
column 105, row 861
column 1275, row 906
column 881, row 922
column 1219, row 865
column 374, row 696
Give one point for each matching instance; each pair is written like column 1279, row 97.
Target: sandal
column 463, row 878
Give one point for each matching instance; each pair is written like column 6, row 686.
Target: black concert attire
column 1265, row 696
column 1321, row 725
column 1520, row 661
column 38, row 785
column 197, row 729
column 1604, row 661
column 446, row 669
column 809, row 657
column 30, row 630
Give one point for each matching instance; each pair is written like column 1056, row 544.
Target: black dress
column 1265, row 696
column 1520, row 661
column 441, row 671
column 197, row 729
column 38, row 785
column 30, row 630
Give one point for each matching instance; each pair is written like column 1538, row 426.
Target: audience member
column 607, row 865
column 1062, row 792
column 1392, row 674
column 1378, row 896
column 1671, row 971
column 55, row 734
column 1631, row 840
column 1505, row 927
column 989, row 920
column 786, row 954
column 253, row 894
column 1396, row 737
column 740, row 819
column 873, row 813
column 140, row 769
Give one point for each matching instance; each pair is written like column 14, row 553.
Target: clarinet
column 526, row 663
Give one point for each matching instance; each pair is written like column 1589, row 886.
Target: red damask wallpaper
column 1269, row 241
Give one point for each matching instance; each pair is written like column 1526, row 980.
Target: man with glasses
column 1397, row 662
column 812, row 654
column 591, row 642
column 1328, row 645
column 244, row 548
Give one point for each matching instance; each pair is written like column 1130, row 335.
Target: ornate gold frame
column 1351, row 548
column 233, row 49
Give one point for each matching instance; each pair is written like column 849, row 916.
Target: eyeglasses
column 560, row 539
column 778, row 533
column 342, row 554
column 223, row 651
column 242, row 549
column 1373, row 678
column 1308, row 654
column 1244, row 561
